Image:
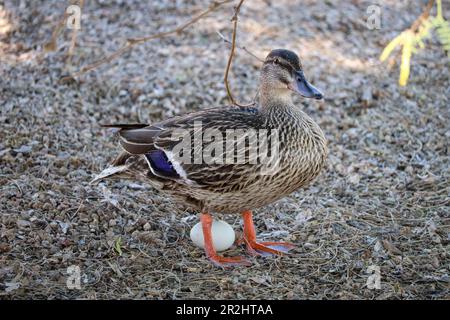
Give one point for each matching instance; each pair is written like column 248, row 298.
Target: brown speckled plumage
column 235, row 187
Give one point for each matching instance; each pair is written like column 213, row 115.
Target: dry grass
column 383, row 199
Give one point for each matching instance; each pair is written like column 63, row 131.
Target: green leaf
column 118, row 246
column 411, row 41
column 421, row 44
column 443, row 33
column 442, row 28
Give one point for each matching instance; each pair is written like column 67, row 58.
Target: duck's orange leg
column 262, row 248
column 211, row 253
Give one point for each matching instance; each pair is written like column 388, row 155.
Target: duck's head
column 282, row 73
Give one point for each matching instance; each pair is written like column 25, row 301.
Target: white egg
column 223, row 235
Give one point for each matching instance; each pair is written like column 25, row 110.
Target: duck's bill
column 304, row 88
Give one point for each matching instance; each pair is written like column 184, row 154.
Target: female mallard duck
column 220, row 181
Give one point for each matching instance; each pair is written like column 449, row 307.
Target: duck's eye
column 276, row 61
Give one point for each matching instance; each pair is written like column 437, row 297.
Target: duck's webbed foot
column 261, row 248
column 211, row 253
column 221, row 261
column 268, row 248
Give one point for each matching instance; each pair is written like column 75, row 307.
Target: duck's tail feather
column 125, row 126
column 118, row 167
column 108, row 172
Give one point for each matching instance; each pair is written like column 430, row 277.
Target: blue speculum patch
column 161, row 164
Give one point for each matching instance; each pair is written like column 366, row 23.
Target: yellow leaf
column 391, row 46
column 406, row 58
column 50, row 46
column 421, row 44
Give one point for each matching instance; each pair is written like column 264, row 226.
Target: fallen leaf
column 117, row 246
column 390, row 247
column 11, row 286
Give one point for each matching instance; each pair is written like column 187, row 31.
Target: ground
column 381, row 205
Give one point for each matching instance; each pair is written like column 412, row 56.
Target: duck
column 231, row 159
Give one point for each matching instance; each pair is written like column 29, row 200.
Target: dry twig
column 52, row 44
column 240, row 47
column 135, row 41
column 425, row 14
column 230, row 58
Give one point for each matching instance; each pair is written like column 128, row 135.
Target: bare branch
column 52, row 44
column 423, row 16
column 239, row 47
column 230, row 58
column 135, row 41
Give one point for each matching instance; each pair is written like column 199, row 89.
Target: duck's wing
column 174, row 148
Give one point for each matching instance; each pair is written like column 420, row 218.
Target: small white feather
column 109, row 172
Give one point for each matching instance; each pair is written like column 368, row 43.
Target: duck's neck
column 270, row 98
